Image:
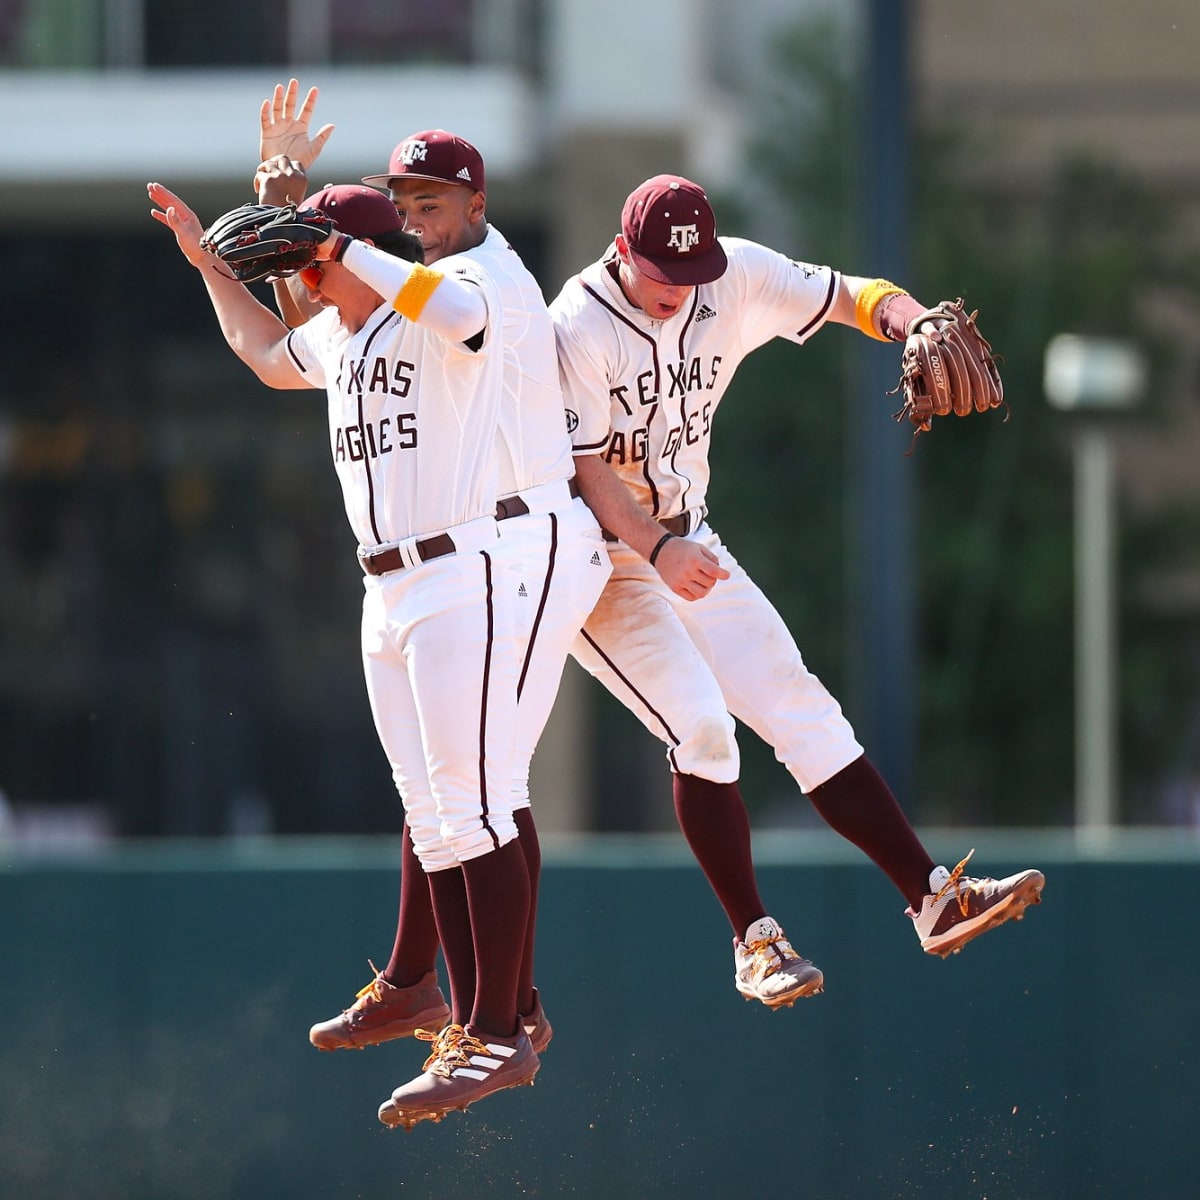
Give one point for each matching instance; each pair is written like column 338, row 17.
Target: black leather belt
column 383, row 561
column 677, row 525
column 514, row 506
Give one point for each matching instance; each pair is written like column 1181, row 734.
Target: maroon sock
column 498, row 899
column 449, row 892
column 859, row 805
column 532, row 850
column 414, row 952
column 715, row 826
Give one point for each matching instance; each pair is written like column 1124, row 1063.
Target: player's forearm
column 876, row 307
column 250, row 329
column 291, row 299
column 614, row 506
column 445, row 305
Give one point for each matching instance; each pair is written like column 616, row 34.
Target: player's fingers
column 711, row 571
column 319, row 141
column 277, row 102
column 264, row 115
column 307, row 107
column 289, row 98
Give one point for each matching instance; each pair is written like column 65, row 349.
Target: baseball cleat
column 959, row 907
column 382, row 1012
column 536, row 1025
column 766, row 968
column 462, row 1070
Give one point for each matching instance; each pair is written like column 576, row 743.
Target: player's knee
column 709, row 751
column 477, row 839
column 433, row 854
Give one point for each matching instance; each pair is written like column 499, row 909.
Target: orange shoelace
column 372, row 989
column 768, row 956
column 452, row 1047
column 952, row 882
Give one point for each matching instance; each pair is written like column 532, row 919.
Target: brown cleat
column 536, row 1026
column 461, row 1071
column 383, row 1012
column 959, row 907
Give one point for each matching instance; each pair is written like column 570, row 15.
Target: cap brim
column 684, row 272
column 385, row 180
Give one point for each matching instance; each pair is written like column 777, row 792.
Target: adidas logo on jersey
column 521, row 591
column 705, row 312
column 595, row 558
column 464, row 174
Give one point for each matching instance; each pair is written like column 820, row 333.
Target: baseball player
column 403, row 995
column 437, row 183
column 412, row 359
column 648, row 340
column 400, row 996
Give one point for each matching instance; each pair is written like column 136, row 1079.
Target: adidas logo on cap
column 464, row 174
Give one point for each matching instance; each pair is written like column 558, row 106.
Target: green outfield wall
column 155, row 1002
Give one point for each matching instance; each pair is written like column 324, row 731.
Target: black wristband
column 343, row 246
column 662, row 541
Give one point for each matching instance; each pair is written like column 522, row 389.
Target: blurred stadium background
column 180, row 697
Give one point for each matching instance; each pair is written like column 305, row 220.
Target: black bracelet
column 343, row 246
column 662, row 541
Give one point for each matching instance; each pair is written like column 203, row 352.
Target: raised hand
column 182, row 222
column 285, row 131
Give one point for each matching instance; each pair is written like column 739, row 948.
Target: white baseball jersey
column 564, row 564
column 412, row 417
column 533, row 446
column 412, row 427
column 645, row 393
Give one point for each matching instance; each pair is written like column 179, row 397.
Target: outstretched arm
column 284, row 130
column 253, row 332
column 876, row 307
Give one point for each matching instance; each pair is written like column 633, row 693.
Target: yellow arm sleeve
column 411, row 299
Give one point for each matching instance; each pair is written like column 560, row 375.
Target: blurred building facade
column 178, row 643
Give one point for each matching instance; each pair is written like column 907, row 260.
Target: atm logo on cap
column 414, row 151
column 684, row 237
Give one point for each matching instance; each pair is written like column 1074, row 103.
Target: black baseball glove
column 264, row 241
column 947, row 367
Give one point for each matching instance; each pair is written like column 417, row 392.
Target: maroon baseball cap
column 435, row 154
column 362, row 212
column 672, row 232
